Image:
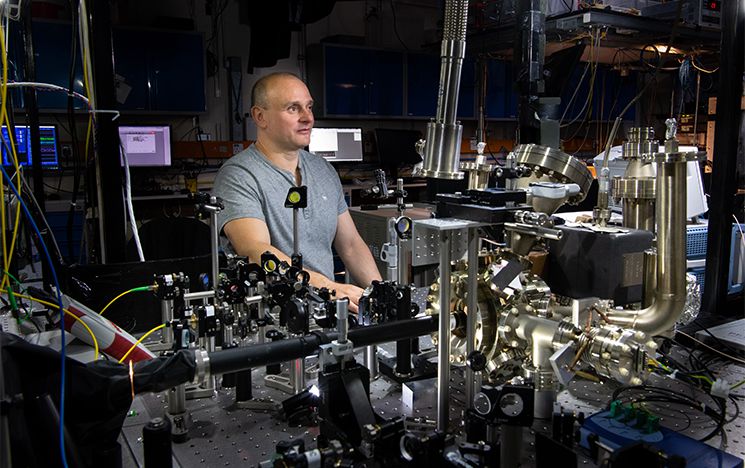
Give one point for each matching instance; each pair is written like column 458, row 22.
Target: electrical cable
column 73, row 129
column 617, row 122
column 586, row 110
column 130, row 207
column 395, row 26
column 5, row 120
column 574, row 94
column 702, row 69
column 14, row 279
column 664, row 395
column 142, row 338
column 63, row 351
column 732, row 358
column 141, row 288
column 739, row 228
column 66, row 311
column 47, row 87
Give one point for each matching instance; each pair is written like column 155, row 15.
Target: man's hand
column 354, row 293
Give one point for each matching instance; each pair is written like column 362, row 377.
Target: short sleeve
column 333, row 176
column 240, row 193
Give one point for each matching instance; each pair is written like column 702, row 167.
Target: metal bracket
column 389, row 254
column 279, row 382
column 560, row 362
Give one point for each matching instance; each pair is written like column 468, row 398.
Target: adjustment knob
column 476, row 361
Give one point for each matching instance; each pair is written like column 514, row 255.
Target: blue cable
column 61, row 312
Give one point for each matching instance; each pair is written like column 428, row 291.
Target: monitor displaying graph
column 49, row 148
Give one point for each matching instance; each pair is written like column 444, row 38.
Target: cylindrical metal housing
column 640, row 141
column 234, row 359
column 671, row 229
column 342, row 322
column 166, row 315
column 637, row 188
column 214, row 249
column 156, row 443
column 442, row 152
column 452, row 53
column 243, row 386
column 638, row 214
column 650, row 277
column 297, row 374
column 371, row 361
column 177, row 399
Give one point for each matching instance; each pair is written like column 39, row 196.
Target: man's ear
column 257, row 113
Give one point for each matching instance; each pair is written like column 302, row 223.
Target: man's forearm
column 360, row 263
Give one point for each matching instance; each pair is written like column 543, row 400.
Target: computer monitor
column 48, row 145
column 397, row 147
column 146, row 145
column 337, row 144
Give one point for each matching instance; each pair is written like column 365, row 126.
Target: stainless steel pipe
column 442, row 150
column 670, row 296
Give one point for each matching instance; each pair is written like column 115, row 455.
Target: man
column 254, row 183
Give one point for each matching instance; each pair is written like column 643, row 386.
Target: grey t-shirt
column 252, row 187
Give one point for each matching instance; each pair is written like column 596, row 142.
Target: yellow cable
column 4, row 120
column 704, row 378
column 56, row 306
column 3, row 95
column 117, row 298
column 140, row 341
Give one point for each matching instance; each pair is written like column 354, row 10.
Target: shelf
column 623, row 30
column 631, row 29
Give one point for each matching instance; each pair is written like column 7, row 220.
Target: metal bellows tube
column 442, row 150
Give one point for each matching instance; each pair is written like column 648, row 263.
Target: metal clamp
column 202, row 361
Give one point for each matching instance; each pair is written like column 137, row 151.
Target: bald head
column 282, row 110
column 260, row 90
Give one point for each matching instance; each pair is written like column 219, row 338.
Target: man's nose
column 306, row 115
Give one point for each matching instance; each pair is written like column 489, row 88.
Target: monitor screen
column 337, row 144
column 397, row 147
column 48, row 144
column 146, row 145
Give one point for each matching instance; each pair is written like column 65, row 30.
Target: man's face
column 288, row 116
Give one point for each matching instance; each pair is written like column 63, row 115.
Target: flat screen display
column 146, row 145
column 48, row 145
column 337, row 144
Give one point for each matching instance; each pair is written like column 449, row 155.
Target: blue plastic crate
column 696, row 241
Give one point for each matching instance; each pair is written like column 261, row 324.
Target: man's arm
column 250, row 237
column 354, row 252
